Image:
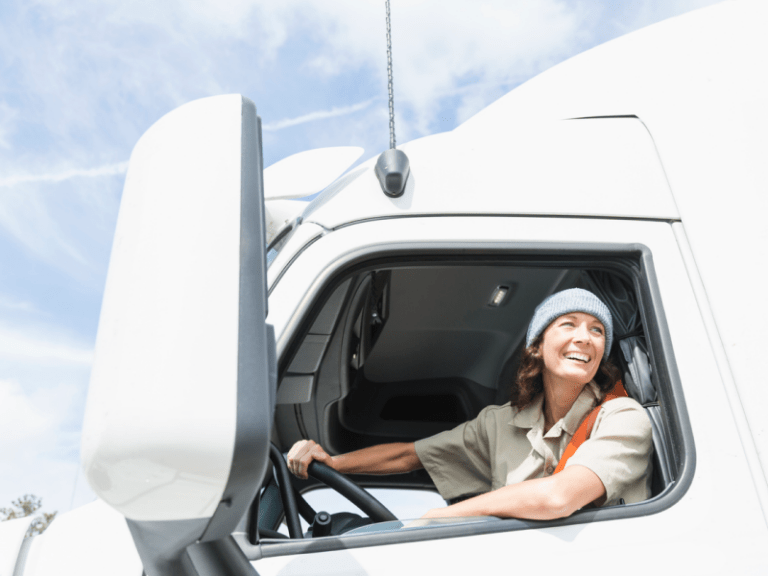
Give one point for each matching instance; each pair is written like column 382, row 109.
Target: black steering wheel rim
column 361, row 498
column 375, row 510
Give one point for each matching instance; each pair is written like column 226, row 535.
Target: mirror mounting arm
column 219, row 558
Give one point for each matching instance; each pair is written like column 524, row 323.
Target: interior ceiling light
column 501, row 294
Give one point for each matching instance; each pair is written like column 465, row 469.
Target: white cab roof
column 606, row 167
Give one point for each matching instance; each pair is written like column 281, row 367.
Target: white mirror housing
column 179, row 408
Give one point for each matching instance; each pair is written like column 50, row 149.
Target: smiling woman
column 507, row 455
column 518, row 446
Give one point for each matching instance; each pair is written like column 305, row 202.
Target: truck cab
column 370, row 318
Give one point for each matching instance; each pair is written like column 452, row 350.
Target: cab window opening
column 433, row 303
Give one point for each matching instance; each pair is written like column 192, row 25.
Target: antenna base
column 392, row 170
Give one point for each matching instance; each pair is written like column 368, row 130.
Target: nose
column 582, row 333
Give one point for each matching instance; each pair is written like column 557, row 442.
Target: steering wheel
column 374, row 509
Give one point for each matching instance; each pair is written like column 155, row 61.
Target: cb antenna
column 389, row 83
column 392, row 167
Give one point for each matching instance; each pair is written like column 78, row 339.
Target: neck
column 559, row 396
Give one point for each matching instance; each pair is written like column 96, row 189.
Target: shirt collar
column 533, row 414
column 529, row 416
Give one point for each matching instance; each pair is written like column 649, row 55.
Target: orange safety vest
column 585, row 429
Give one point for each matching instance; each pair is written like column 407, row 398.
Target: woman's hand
column 301, row 455
column 394, row 458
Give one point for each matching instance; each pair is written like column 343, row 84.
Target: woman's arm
column 392, row 458
column 547, row 498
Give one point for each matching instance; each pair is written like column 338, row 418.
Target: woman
column 508, row 453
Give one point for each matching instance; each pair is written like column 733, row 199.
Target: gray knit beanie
column 573, row 300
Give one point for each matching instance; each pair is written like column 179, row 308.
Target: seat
column 632, row 355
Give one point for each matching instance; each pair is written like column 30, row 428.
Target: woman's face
column 572, row 348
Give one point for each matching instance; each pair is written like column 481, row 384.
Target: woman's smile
column 577, row 356
column 572, row 348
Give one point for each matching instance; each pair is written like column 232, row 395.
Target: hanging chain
column 389, row 80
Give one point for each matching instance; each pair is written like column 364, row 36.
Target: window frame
column 634, row 261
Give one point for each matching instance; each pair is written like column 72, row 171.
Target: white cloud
column 11, row 303
column 37, row 451
column 40, row 430
column 642, row 14
column 116, row 169
column 102, row 71
column 26, row 216
column 23, row 421
column 46, row 348
column 441, row 46
column 63, row 219
column 317, row 115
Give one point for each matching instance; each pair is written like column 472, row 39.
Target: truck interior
column 401, row 347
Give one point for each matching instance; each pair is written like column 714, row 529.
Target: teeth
column 580, row 357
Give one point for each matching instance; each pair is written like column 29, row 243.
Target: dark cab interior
column 401, row 348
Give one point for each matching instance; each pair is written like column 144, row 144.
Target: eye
column 567, row 323
column 597, row 330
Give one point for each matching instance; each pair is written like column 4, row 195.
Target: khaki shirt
column 504, row 445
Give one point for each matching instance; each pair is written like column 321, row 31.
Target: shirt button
column 550, row 469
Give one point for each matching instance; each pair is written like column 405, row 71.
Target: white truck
column 637, row 170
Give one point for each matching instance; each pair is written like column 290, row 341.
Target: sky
column 82, row 80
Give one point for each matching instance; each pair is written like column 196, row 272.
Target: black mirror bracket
column 219, row 558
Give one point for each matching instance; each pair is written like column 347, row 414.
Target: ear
column 535, row 347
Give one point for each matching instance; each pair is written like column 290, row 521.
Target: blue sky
column 81, row 81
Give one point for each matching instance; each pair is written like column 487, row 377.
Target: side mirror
column 180, row 405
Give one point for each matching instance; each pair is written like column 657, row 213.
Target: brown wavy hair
column 529, row 382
